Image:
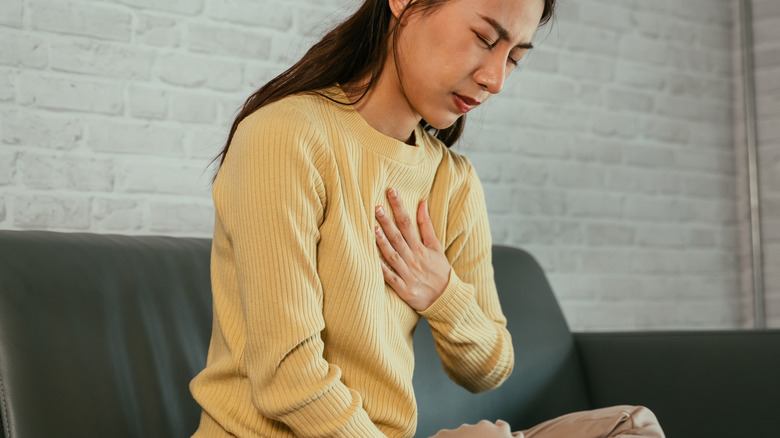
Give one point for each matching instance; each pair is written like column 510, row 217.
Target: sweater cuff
column 456, row 300
column 338, row 414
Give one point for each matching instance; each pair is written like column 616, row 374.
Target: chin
column 441, row 123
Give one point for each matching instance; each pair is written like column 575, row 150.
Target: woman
column 326, row 252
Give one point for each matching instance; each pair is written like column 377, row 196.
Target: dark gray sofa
column 101, row 334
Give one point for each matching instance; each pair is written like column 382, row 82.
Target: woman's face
column 457, row 55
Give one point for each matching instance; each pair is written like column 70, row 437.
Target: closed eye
column 485, row 41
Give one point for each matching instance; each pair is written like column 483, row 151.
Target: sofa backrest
column 101, row 334
column 547, row 379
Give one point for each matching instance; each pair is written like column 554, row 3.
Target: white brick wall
column 610, row 156
column 766, row 16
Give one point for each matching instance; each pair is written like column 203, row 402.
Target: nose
column 492, row 74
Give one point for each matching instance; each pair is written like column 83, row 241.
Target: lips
column 464, row 103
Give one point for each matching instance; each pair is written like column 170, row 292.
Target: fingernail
column 393, row 193
column 426, row 208
column 380, row 211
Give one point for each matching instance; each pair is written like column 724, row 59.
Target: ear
column 397, row 6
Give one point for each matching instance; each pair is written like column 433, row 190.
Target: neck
column 385, row 107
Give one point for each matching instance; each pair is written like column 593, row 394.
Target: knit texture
column 308, row 339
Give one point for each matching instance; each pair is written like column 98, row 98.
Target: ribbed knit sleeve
column 270, row 195
column 468, row 325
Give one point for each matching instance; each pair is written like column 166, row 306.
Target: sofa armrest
column 713, row 384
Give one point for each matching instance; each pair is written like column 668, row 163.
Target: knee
column 644, row 421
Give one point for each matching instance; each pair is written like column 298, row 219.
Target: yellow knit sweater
column 308, row 339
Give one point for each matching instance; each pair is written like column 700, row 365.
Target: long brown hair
column 354, row 49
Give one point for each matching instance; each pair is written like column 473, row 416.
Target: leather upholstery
column 699, row 384
column 101, row 334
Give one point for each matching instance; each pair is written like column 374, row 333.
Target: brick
column 7, row 167
column 531, row 143
column 143, row 177
column 634, row 180
column 540, row 60
column 259, row 73
column 228, row 41
column 186, row 7
column 287, row 49
column 19, row 49
column 588, row 67
column 54, row 92
column 641, row 77
column 607, row 16
column 102, row 59
column 765, row 8
column 578, row 176
column 7, row 85
column 666, row 130
column 158, row 31
column 135, row 138
column 589, row 40
column 708, row 211
column 147, row 102
column 699, row 61
column 609, row 234
column 650, row 156
column 117, row 215
column 715, row 38
column 40, row 211
column 700, row 262
column 626, row 99
column 682, row 32
column 598, row 149
column 766, row 57
column 201, row 71
column 544, row 87
column 591, row 94
column 665, row 236
column 522, row 170
column 714, row 137
column 593, row 204
column 190, row 219
column 188, row 107
column 614, row 125
column 276, row 15
column 41, row 130
column 205, row 142
column 69, row 172
column 315, row 22
column 544, row 231
column 649, row 25
column 658, row 209
column 702, row 11
column 709, row 186
column 644, row 50
column 537, row 201
column 79, row 19
column 767, row 31
column 227, row 111
column 11, row 13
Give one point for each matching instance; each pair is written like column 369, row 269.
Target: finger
column 391, row 277
column 427, row 232
column 403, row 220
column 392, row 234
column 394, row 259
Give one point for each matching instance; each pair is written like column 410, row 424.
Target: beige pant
column 611, row 422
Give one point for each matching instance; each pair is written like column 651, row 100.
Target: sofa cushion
column 547, row 380
column 101, row 334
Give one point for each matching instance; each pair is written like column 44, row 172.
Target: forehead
column 519, row 17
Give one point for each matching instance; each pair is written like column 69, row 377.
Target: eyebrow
column 503, row 34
